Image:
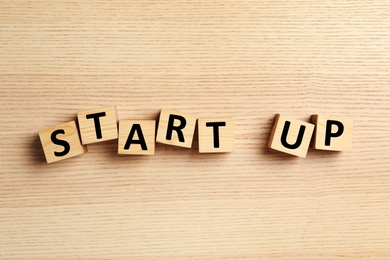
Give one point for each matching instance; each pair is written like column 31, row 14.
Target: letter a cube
column 137, row 137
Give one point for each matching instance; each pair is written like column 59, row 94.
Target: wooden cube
column 98, row 125
column 291, row 136
column 61, row 142
column 332, row 133
column 137, row 137
column 216, row 135
column 176, row 128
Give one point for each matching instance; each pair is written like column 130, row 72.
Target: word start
column 215, row 135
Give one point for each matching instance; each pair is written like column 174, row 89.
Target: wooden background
column 245, row 59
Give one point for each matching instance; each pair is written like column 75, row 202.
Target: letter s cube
column 61, row 142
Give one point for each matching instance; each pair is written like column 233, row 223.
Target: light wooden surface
column 242, row 59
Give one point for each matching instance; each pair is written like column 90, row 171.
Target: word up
column 215, row 135
column 293, row 136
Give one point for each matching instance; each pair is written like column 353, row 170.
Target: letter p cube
column 98, row 125
column 332, row 133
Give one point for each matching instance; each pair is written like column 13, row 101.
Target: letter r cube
column 176, row 128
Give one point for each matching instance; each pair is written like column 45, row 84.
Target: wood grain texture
column 242, row 59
